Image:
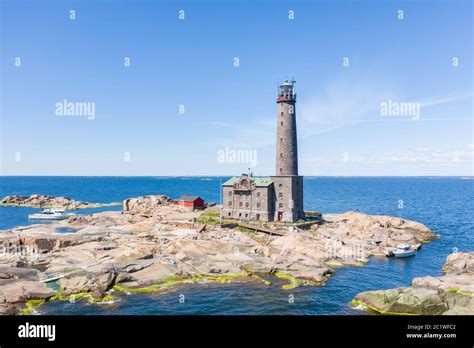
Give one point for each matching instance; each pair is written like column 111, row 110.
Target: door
column 280, row 215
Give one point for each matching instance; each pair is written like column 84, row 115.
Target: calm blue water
column 445, row 205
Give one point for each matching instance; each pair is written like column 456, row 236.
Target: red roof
column 187, row 198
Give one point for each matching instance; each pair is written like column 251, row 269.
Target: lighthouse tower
column 287, row 183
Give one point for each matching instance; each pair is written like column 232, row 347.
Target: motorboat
column 292, row 229
column 50, row 214
column 404, row 250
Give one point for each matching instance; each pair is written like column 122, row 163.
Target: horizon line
column 258, row 176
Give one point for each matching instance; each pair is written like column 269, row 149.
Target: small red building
column 194, row 202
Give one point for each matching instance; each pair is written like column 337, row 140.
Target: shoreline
column 449, row 294
column 46, row 201
column 136, row 252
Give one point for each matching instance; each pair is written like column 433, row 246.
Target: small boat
column 404, row 250
column 292, row 229
column 50, row 214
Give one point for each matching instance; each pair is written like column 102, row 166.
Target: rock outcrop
column 147, row 205
column 94, row 283
column 45, row 201
column 450, row 294
column 19, row 285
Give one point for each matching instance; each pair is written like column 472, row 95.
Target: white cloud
column 346, row 101
column 419, row 154
column 444, row 100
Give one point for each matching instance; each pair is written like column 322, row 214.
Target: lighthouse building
column 280, row 197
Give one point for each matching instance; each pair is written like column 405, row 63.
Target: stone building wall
column 286, row 141
column 248, row 205
column 288, row 198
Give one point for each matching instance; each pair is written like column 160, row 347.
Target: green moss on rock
column 294, row 282
column 457, row 291
column 30, row 306
column 356, row 303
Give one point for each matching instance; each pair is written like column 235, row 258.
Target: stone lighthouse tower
column 287, row 183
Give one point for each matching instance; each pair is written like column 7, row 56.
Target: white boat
column 50, row 214
column 292, row 229
column 404, row 250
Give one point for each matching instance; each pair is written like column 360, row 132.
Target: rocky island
column 45, row 201
column 153, row 245
column 452, row 293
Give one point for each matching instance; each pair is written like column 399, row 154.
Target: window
column 258, row 205
column 240, row 204
column 246, row 215
column 281, row 155
column 280, row 194
column 230, row 204
column 229, row 214
column 247, row 204
column 281, row 140
column 281, row 170
column 281, row 113
column 230, row 193
column 258, row 194
column 280, row 205
column 281, row 123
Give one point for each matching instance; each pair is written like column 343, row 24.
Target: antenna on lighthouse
column 293, row 86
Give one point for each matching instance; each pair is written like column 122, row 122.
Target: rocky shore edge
column 450, row 294
column 152, row 246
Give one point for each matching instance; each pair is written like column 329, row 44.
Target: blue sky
column 138, row 129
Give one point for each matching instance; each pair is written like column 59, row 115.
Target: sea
column 444, row 204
